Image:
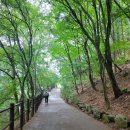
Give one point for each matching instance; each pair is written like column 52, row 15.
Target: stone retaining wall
column 119, row 120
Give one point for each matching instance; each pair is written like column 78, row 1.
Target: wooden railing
column 20, row 113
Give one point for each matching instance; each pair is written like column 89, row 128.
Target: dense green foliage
column 24, row 70
column 70, row 43
column 91, row 38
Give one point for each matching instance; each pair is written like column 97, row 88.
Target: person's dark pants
column 46, row 99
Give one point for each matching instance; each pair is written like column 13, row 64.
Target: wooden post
column 41, row 97
column 11, row 127
column 22, row 115
column 36, row 103
column 28, row 110
column 33, row 104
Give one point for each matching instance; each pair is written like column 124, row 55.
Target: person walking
column 46, row 96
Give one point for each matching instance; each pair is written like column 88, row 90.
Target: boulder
column 108, row 118
column 121, row 121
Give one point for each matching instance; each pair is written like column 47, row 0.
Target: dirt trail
column 58, row 115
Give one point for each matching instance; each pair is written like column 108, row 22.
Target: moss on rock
column 108, row 118
column 121, row 121
column 96, row 113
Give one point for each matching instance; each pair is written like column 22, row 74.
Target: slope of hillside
column 118, row 106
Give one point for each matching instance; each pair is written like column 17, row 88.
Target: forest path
column 58, row 115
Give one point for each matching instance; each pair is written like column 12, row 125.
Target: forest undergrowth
column 120, row 105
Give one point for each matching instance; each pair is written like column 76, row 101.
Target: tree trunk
column 108, row 62
column 31, row 84
column 89, row 67
column 116, row 90
column 102, row 75
column 80, row 68
column 108, row 66
column 72, row 67
column 114, row 40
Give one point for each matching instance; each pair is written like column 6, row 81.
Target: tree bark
column 72, row 67
column 89, row 66
column 102, row 75
column 108, row 63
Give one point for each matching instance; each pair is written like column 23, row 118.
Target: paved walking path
column 58, row 115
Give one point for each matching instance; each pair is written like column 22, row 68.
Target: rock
column 96, row 113
column 111, row 118
column 121, row 121
column 82, row 106
column 80, row 103
column 83, row 110
column 69, row 101
column 87, row 106
column 105, row 118
column 76, row 102
column 108, row 118
column 89, row 109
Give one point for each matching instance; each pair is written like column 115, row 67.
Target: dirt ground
column 120, row 105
